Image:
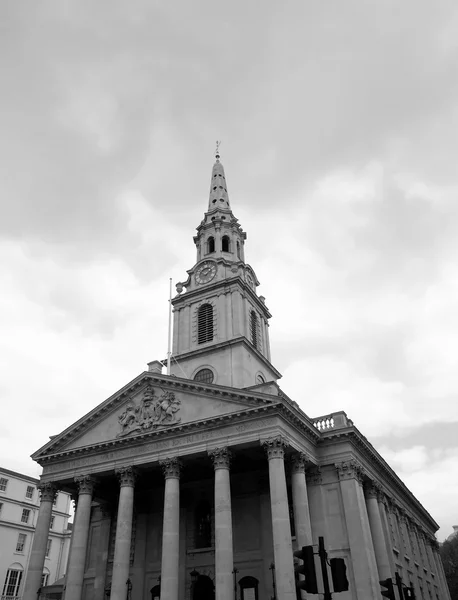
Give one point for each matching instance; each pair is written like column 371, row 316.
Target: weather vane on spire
column 217, row 148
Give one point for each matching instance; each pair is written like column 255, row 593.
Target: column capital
column 221, row 457
column 85, row 484
column 275, row 447
column 48, row 492
column 299, row 462
column 171, row 467
column 372, row 489
column 126, row 476
column 402, row 516
column 349, row 469
column 313, row 475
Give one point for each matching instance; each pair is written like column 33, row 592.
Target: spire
column 219, row 197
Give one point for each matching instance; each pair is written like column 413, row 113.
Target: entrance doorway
column 203, row 589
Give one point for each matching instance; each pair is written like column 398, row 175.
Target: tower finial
column 217, row 149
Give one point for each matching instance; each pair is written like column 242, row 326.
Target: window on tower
column 205, row 324
column 238, row 250
column 225, row 244
column 254, row 329
column 204, row 375
column 211, row 245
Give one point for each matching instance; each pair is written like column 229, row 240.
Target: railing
column 336, row 420
column 10, row 597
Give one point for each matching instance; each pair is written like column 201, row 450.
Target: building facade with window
column 19, row 507
column 200, row 484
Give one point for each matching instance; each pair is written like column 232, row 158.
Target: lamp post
column 274, row 585
column 194, row 577
column 129, row 589
column 234, row 572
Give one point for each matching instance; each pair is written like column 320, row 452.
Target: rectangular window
column 48, row 548
column 51, row 523
column 44, row 579
column 1, row 506
column 21, row 542
column 25, row 515
column 3, row 484
column 12, row 583
column 29, row 492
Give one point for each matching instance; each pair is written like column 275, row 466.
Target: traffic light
column 339, row 574
column 409, row 593
column 310, row 584
column 389, row 592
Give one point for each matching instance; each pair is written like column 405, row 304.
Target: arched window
column 225, row 244
column 260, row 378
column 249, row 588
column 254, row 329
column 205, row 324
column 204, row 375
column 203, row 525
column 13, row 580
column 211, row 244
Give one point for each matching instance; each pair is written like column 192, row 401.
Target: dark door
column 204, row 589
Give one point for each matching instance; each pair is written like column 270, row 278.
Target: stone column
column 40, row 540
column 171, row 530
column 362, row 552
column 300, row 501
column 375, row 522
column 102, row 552
column 80, row 534
column 224, row 556
column 123, row 539
column 221, row 334
column 281, row 528
column 382, row 505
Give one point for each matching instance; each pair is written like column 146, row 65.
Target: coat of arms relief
column 152, row 412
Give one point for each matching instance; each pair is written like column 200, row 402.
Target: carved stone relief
column 151, row 413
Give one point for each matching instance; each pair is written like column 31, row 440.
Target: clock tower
column 220, row 323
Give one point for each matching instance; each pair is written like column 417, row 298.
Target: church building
column 202, row 483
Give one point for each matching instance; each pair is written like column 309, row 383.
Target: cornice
column 354, row 436
column 211, row 348
column 307, row 430
column 156, row 434
column 186, row 298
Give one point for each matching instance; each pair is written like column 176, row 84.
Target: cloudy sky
column 339, row 129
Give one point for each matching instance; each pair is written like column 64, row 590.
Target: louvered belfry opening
column 205, row 324
column 254, row 328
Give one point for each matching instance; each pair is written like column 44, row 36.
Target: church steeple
column 219, row 197
column 220, row 323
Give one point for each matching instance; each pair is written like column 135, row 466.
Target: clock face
column 206, row 272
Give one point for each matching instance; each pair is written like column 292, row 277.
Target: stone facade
column 201, row 487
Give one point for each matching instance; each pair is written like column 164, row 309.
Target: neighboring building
column 454, row 534
column 19, row 506
column 207, row 479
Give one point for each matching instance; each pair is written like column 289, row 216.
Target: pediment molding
column 246, row 400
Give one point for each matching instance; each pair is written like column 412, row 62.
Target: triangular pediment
column 152, row 404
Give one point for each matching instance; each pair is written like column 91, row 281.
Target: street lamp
column 274, row 587
column 194, row 576
column 235, row 571
column 129, row 588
